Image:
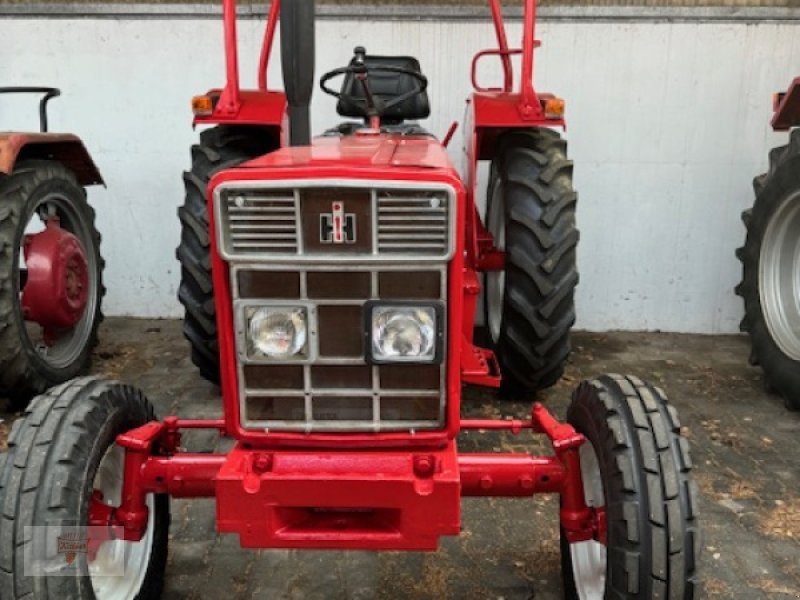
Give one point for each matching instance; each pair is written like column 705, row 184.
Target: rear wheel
column 636, row 465
column 61, row 455
column 530, row 305
column 34, row 355
column 220, row 147
column 770, row 284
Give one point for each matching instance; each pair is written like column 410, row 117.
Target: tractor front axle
column 355, row 499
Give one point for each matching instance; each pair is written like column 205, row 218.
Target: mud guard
column 65, row 148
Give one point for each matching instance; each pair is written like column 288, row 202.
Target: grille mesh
column 262, row 223
column 334, row 388
column 411, row 222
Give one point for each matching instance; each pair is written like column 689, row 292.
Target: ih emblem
column 337, row 227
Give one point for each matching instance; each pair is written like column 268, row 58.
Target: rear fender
column 787, row 108
column 64, row 148
column 256, row 107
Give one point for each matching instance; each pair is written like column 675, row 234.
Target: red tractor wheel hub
column 57, row 287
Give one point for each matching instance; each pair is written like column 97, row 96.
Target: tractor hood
column 377, row 151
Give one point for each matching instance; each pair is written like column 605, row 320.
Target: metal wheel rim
column 589, row 561
column 132, row 557
column 496, row 280
column 779, row 276
column 70, row 345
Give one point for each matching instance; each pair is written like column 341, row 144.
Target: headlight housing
column 277, row 332
column 410, row 333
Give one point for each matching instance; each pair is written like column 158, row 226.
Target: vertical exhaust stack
column 297, row 62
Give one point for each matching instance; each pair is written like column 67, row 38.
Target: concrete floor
column 746, row 450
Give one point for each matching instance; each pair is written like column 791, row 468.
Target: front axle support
column 401, row 499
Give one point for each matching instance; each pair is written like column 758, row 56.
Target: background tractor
column 50, row 264
column 770, row 258
column 332, row 284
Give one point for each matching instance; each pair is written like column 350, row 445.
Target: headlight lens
column 403, row 333
column 279, row 332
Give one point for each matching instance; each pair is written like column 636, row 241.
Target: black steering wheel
column 375, row 105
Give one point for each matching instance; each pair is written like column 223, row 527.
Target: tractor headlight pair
column 396, row 332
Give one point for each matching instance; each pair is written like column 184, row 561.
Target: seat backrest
column 386, row 85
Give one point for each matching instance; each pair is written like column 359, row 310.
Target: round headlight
column 278, row 332
column 403, row 333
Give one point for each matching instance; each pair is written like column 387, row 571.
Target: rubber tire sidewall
column 524, row 367
column 781, row 371
column 627, row 476
column 111, row 408
column 220, row 147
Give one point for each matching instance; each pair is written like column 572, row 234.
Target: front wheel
column 61, row 460
column 635, row 464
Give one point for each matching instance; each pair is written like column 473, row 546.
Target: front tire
column 220, row 147
column 636, row 464
column 530, row 306
column 770, row 284
column 58, row 454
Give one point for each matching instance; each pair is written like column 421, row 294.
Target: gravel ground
column 744, row 444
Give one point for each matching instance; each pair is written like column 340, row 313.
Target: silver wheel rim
column 115, row 556
column 70, row 345
column 496, row 280
column 779, row 276
column 589, row 558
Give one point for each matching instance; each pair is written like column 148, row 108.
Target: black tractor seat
column 387, row 86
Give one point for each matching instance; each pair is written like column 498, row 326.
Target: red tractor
column 770, row 258
column 50, row 264
column 331, row 286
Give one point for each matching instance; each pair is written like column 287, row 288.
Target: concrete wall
column 667, row 127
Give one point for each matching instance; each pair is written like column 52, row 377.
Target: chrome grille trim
column 308, row 392
column 404, row 228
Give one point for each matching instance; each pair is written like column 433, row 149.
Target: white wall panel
column 668, row 124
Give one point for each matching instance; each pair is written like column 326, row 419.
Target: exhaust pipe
column 297, row 63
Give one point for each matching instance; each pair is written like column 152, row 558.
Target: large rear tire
column 30, row 362
column 220, row 147
column 770, row 284
column 59, row 455
column 636, row 464
column 530, row 306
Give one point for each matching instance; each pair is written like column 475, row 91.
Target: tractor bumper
column 345, row 500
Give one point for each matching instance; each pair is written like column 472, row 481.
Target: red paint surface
column 369, row 158
column 347, row 499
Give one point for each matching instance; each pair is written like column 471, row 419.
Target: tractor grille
column 335, row 389
column 330, row 247
column 295, row 223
